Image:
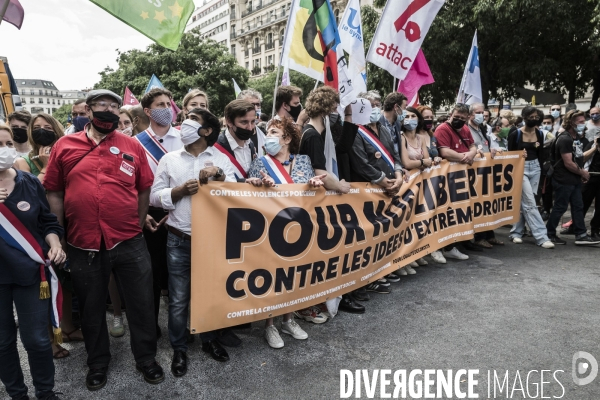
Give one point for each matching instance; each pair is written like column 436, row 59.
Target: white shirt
column 176, row 168
column 170, row 142
column 242, row 154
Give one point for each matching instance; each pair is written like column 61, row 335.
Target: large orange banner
column 262, row 252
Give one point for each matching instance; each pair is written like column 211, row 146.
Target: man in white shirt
column 236, row 142
column 175, row 181
column 255, row 98
column 159, row 139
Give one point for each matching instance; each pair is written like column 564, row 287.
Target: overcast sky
column 67, row 42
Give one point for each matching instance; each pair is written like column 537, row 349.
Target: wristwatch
column 219, row 173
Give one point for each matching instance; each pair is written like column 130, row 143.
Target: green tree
column 197, row 63
column 62, row 113
column 266, row 86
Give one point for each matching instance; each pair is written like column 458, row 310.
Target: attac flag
column 129, row 99
column 351, row 35
column 470, row 86
column 156, row 83
column 161, row 20
column 14, row 13
column 236, row 88
column 401, row 30
column 419, row 75
column 312, row 46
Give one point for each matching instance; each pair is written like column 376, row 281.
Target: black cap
column 95, row 94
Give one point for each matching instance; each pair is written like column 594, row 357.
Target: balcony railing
column 256, row 50
column 270, row 20
column 269, row 68
column 256, row 71
column 270, row 46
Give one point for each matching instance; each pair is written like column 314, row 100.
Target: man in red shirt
column 98, row 183
column 455, row 143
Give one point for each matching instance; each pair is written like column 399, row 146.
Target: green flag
column 161, row 20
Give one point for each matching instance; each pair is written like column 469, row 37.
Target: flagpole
column 276, row 85
column 394, row 88
column 316, row 84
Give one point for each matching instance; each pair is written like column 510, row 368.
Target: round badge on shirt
column 377, row 154
column 23, row 206
column 114, row 150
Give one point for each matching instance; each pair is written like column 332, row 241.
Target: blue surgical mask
column 555, row 114
column 401, row 116
column 272, row 145
column 580, row 128
column 375, row 114
column 547, row 128
column 80, row 123
column 478, row 119
column 411, row 124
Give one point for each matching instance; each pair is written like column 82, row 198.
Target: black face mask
column 530, row 123
column 43, row 137
column 105, row 122
column 428, row 125
column 295, row 111
column 457, row 124
column 20, row 135
column 243, row 134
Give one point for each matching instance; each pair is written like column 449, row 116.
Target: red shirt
column 101, row 189
column 447, row 137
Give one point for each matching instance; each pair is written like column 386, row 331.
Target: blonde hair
column 56, row 127
column 321, row 101
column 509, row 115
column 194, row 93
column 4, row 127
column 569, row 117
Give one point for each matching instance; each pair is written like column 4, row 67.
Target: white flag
column 401, row 30
column 350, row 30
column 236, row 88
column 470, row 86
column 285, row 78
column 330, row 157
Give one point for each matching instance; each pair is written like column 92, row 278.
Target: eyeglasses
column 105, row 105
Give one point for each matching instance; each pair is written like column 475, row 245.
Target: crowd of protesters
column 106, row 203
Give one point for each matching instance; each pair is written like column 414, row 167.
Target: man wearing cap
column 98, row 184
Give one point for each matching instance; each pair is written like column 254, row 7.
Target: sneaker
column 547, row 245
column 292, row 328
column 409, row 270
column 421, row 261
column 377, row 288
column 556, row 240
column 454, row 253
column 117, row 329
column 273, row 338
column 383, row 282
column 438, row 257
column 586, row 241
column 517, row 240
column 311, row 314
column 393, row 277
column 402, row 272
column 413, row 264
column 595, row 234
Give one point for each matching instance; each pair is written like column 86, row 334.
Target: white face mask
column 127, row 131
column 190, row 131
column 478, row 119
column 8, row 156
column 272, row 145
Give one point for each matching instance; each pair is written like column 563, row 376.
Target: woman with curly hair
column 283, row 165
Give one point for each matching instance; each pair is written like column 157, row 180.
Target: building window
column 233, row 49
column 41, row 101
column 47, row 101
column 247, row 65
column 281, row 37
column 337, row 16
column 41, row 92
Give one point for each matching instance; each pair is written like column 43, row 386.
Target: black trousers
column 90, row 271
column 157, row 247
column 591, row 191
column 546, row 191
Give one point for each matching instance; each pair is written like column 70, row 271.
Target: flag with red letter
column 401, row 30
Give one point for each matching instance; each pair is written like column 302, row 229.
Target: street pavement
column 515, row 307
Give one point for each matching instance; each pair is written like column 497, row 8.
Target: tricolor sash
column 374, row 141
column 276, row 170
column 14, row 233
column 239, row 171
column 153, row 148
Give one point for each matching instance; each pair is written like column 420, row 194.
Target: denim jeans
column 563, row 196
column 529, row 211
column 130, row 263
column 179, row 263
column 33, row 316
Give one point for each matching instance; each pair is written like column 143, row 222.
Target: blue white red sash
column 376, row 143
column 238, row 170
column 153, row 148
column 16, row 235
column 276, row 170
